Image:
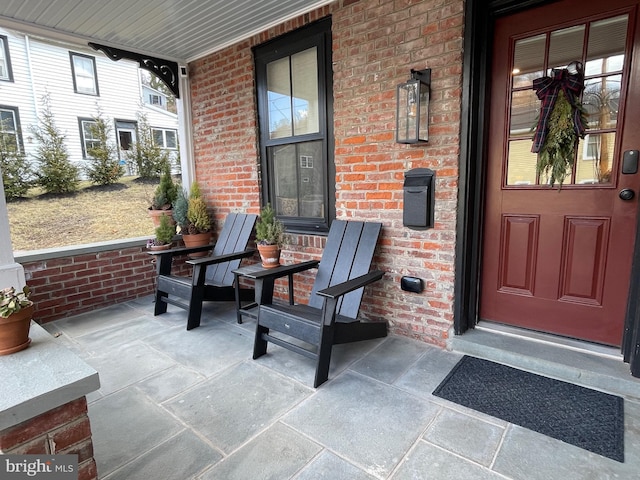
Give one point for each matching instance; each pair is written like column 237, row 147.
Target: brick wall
column 375, row 44
column 62, row 430
column 70, row 284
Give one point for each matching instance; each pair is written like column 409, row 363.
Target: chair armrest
column 282, row 270
column 343, row 288
column 172, row 252
column 227, row 257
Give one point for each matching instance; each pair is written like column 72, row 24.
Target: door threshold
column 550, row 339
column 581, row 363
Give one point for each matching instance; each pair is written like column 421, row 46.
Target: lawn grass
column 93, row 214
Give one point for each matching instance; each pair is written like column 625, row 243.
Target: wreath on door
column 561, row 123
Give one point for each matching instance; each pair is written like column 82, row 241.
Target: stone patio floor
column 177, row 404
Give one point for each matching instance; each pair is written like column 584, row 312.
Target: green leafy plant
column 55, row 173
column 165, row 232
column 12, row 300
column 103, row 166
column 166, row 192
column 197, row 215
column 146, row 157
column 269, row 230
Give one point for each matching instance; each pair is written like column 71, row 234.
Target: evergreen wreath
column 561, row 123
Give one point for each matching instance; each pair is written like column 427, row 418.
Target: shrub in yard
column 55, row 173
column 103, row 166
column 17, row 175
column 146, row 157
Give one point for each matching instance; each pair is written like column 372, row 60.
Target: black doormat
column 580, row 416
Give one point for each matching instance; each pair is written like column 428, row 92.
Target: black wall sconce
column 412, row 113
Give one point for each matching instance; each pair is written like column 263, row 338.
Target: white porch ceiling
column 179, row 30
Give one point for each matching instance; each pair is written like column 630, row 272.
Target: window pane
column 171, row 139
column 299, row 179
column 566, row 46
column 304, row 67
column 521, row 167
column 158, row 138
column 607, row 39
column 524, row 112
column 595, row 158
column 85, row 78
column 279, row 99
column 528, row 60
column 601, row 99
column 4, row 70
column 8, row 121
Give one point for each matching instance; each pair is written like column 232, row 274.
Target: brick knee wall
column 62, row 430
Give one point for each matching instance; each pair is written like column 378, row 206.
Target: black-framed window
column 166, row 138
column 6, row 73
column 85, row 76
column 295, row 99
column 10, row 132
column 87, row 135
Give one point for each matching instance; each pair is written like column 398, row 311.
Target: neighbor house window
column 89, row 141
column 294, row 84
column 85, row 79
column 5, row 60
column 10, row 134
column 165, row 138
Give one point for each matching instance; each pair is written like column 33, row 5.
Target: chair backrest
column 233, row 238
column 348, row 254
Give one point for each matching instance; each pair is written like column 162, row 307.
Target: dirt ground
column 94, row 214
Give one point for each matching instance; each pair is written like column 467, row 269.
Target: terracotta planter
column 156, row 214
column 14, row 331
column 197, row 240
column 270, row 255
column 155, row 248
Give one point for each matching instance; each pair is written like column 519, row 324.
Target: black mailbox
column 419, row 198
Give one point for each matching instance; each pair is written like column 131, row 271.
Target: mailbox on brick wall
column 419, row 198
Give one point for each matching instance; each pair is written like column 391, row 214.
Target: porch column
column 185, row 132
column 11, row 273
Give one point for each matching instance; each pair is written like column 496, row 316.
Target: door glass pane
column 607, row 39
column 521, row 167
column 595, row 158
column 601, row 99
column 524, row 113
column 566, row 46
column 279, row 98
column 304, row 67
column 528, row 60
column 299, row 179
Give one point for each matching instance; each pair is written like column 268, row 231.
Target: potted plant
column 269, row 237
column 192, row 218
column 163, row 198
column 164, row 235
column 16, row 311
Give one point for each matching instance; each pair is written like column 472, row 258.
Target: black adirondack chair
column 331, row 315
column 212, row 277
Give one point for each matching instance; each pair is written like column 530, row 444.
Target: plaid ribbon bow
column 547, row 89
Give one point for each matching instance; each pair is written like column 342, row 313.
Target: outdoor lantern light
column 412, row 115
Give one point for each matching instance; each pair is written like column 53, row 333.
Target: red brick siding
column 75, row 284
column 375, row 44
column 65, row 428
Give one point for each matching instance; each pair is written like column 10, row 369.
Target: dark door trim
column 480, row 16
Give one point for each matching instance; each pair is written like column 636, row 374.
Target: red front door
column 559, row 260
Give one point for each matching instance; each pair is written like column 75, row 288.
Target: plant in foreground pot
column 193, row 219
column 270, row 237
column 16, row 311
column 164, row 198
column 164, row 235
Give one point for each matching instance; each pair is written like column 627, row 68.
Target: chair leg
column 324, row 357
column 195, row 308
column 160, row 305
column 260, row 344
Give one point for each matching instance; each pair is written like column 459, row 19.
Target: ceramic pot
column 197, row 240
column 270, row 255
column 156, row 248
column 14, row 331
column 156, row 214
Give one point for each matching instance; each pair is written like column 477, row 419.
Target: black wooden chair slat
column 212, row 278
column 330, row 317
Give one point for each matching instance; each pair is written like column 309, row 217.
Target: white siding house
column 78, row 80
